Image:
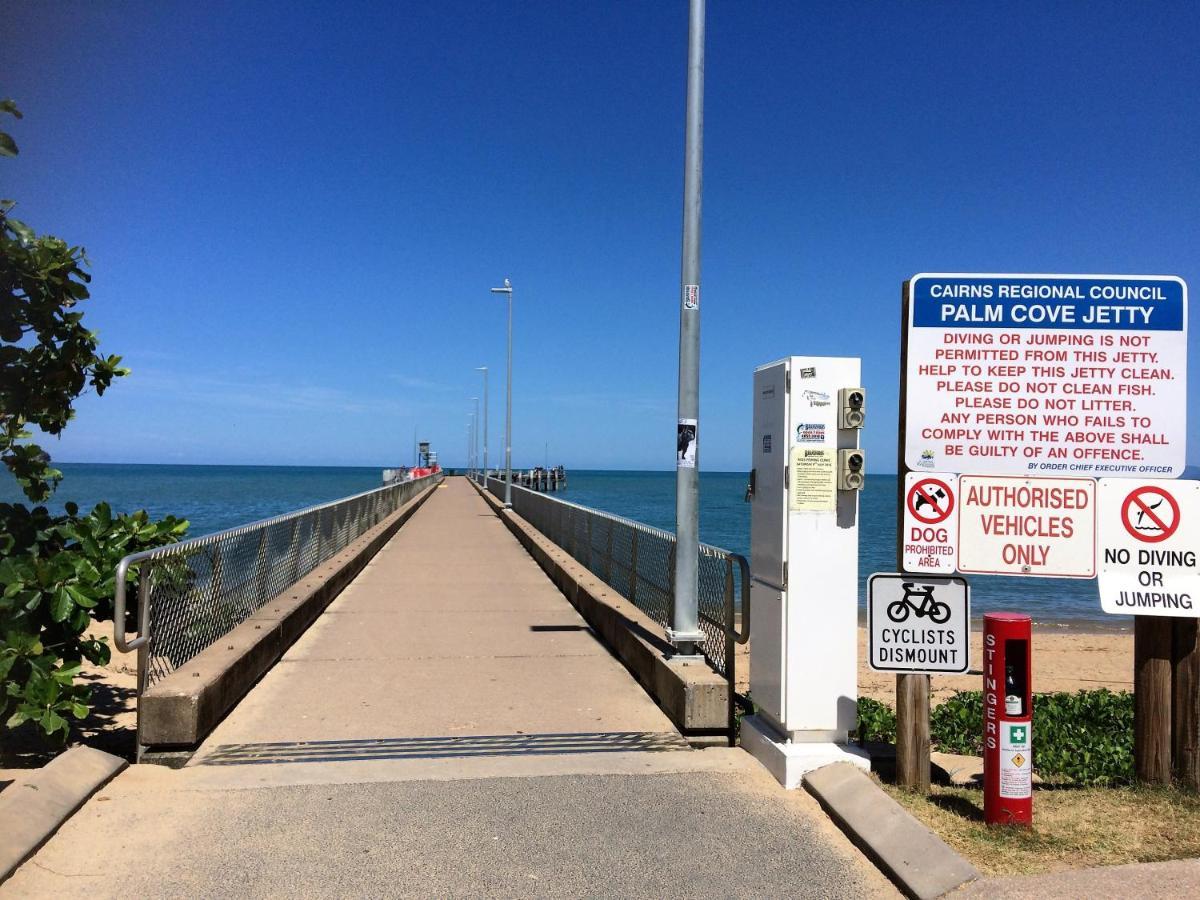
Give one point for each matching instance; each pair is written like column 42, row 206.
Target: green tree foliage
column 56, row 571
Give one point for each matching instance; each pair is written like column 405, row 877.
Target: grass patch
column 1073, row 827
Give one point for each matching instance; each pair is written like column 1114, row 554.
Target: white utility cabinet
column 806, row 476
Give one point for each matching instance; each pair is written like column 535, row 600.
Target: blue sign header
column 1048, row 302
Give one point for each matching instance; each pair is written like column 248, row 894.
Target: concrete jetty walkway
column 449, row 727
column 452, row 630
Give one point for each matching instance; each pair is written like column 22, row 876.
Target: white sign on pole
column 1027, row 526
column 1149, row 538
column 1041, row 374
column 930, row 542
column 918, row 623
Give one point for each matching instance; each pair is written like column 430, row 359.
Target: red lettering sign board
column 1046, row 374
column 1009, row 525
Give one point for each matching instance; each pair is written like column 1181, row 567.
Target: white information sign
column 1027, row 526
column 1045, row 374
column 1149, row 538
column 918, row 623
column 1016, row 759
column 930, row 523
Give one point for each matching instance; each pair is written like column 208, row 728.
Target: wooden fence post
column 912, row 691
column 1152, row 699
column 1185, row 701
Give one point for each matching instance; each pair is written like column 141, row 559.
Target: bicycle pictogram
column 935, row 610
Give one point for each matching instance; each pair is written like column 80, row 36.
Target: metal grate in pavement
column 444, row 747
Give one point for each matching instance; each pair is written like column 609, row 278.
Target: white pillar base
column 789, row 761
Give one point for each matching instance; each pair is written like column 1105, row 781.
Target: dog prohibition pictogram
column 1150, row 514
column 930, row 501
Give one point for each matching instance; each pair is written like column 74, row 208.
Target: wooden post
column 912, row 691
column 1152, row 699
column 912, row 732
column 1185, row 702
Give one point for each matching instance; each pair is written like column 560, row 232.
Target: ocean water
column 216, row 497
column 211, row 498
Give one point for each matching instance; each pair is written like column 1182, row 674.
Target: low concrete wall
column 179, row 711
column 692, row 695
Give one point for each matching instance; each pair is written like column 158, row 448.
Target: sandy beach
column 1063, row 660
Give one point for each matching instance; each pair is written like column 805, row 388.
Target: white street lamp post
column 507, row 289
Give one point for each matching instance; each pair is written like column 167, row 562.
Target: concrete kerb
column 692, row 695
column 36, row 805
column 180, row 711
column 919, row 862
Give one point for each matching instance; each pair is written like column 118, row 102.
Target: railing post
column 589, row 543
column 217, row 572
column 294, row 549
column 633, row 570
column 608, row 555
column 262, row 577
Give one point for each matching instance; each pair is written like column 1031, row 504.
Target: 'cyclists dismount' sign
column 918, row 623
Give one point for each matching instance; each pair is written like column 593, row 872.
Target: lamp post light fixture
column 484, row 370
column 475, row 431
column 507, row 289
column 684, row 630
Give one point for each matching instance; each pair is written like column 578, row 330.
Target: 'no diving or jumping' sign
column 1149, row 538
column 930, row 523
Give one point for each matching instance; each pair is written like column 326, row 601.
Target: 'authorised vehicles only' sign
column 1027, row 526
column 1082, row 375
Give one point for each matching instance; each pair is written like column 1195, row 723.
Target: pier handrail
column 647, row 586
column 244, row 566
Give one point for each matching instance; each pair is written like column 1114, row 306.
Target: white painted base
column 789, row 761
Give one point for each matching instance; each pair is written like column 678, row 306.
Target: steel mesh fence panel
column 195, row 592
column 638, row 562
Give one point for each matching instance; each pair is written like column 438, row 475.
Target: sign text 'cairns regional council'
column 1047, row 375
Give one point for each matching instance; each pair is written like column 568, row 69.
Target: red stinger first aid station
column 1007, row 719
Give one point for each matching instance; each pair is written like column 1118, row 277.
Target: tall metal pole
column 685, row 619
column 475, row 448
column 507, row 289
column 484, row 370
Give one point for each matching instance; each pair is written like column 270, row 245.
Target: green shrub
column 956, row 726
column 1085, row 736
column 876, row 721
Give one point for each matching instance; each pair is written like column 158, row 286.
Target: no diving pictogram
column 930, row 501
column 1150, row 514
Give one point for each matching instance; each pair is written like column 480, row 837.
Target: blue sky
column 295, row 210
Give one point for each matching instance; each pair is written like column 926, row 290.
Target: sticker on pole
column 930, row 523
column 1149, row 539
column 1042, row 374
column 691, row 296
column 685, row 444
column 1027, row 526
column 918, row 623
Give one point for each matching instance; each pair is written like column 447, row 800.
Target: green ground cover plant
column 1085, row 738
